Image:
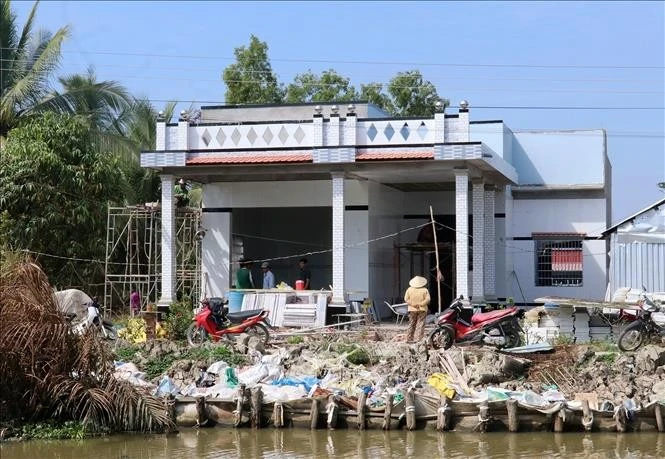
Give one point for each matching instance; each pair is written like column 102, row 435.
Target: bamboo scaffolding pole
column 436, row 254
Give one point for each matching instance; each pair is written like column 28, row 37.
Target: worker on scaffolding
column 181, row 194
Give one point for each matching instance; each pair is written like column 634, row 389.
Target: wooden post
column 513, row 419
column 620, row 418
column 559, row 420
column 361, row 410
column 332, row 409
column 257, row 403
column 436, row 254
column 388, row 411
column 444, row 415
column 314, row 414
column 587, row 417
column 201, row 412
column 278, row 415
column 483, row 417
column 169, row 406
column 410, row 408
column 658, row 409
column 239, row 406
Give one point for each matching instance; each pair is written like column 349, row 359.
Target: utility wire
column 368, row 62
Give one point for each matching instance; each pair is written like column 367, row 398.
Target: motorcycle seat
column 492, row 315
column 237, row 317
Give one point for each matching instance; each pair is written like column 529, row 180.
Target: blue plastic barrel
column 235, row 301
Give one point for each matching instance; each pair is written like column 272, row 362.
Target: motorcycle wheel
column 196, row 335
column 442, row 337
column 631, row 338
column 260, row 331
column 513, row 339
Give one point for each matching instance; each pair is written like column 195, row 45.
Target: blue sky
column 494, row 54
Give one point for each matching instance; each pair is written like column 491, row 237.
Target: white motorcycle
column 93, row 319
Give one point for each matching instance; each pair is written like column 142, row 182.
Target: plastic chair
column 400, row 310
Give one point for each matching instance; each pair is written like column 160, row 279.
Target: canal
column 291, row 443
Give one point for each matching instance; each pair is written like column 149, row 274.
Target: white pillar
column 168, row 242
column 333, row 130
column 338, row 237
column 462, row 232
column 490, row 244
column 478, row 209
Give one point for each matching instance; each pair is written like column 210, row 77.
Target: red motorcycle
column 460, row 325
column 215, row 322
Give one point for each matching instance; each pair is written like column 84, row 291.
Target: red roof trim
column 251, row 159
column 376, row 155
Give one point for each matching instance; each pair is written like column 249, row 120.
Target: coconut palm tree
column 27, row 61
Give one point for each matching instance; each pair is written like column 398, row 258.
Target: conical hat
column 418, row 282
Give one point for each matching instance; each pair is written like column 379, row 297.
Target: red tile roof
column 251, row 159
column 377, row 155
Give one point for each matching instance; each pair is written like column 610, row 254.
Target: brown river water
column 291, row 443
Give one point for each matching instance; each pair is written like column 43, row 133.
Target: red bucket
column 300, row 285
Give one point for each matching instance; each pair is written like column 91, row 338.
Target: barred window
column 558, row 263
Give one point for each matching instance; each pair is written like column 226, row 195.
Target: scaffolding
column 133, row 255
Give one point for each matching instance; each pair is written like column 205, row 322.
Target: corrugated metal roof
column 251, row 159
column 613, row 228
column 377, row 155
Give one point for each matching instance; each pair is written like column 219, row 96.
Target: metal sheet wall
column 636, row 264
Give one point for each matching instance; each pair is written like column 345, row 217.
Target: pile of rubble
column 340, row 364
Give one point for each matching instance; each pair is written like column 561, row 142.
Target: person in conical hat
column 417, row 298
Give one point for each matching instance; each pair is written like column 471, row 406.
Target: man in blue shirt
column 268, row 276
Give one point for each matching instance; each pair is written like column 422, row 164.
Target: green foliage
column 412, row 95
column 52, row 430
column 251, row 79
column 330, row 86
column 28, row 60
column 295, row 339
column 563, row 340
column 179, row 319
column 54, row 189
column 355, row 354
column 215, row 354
column 126, row 353
column 157, row 366
column 603, row 346
column 608, row 357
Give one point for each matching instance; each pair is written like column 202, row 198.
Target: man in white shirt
column 268, row 276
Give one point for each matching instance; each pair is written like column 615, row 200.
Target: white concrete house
column 519, row 213
column 637, row 250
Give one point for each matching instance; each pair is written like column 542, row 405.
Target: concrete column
column 463, row 120
column 317, row 130
column 168, row 243
column 183, row 135
column 440, row 126
column 349, row 129
column 338, row 237
column 509, row 268
column 333, row 131
column 462, row 232
column 478, row 209
column 490, row 243
column 160, row 136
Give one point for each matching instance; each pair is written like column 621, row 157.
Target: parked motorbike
column 94, row 320
column 644, row 327
column 459, row 325
column 215, row 322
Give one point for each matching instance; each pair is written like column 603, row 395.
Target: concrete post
column 338, row 237
column 490, row 243
column 168, row 243
column 478, row 277
column 462, row 231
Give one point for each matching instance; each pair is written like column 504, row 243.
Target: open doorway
column 282, row 236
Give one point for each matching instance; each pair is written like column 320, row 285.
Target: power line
column 189, row 70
